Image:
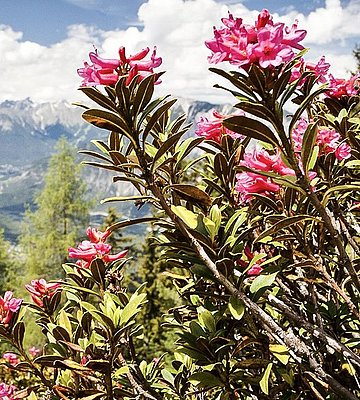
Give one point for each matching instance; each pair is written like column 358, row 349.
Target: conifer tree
column 5, row 261
column 61, row 213
column 161, row 296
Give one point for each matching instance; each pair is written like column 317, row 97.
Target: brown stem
column 297, row 348
column 137, row 388
column 315, row 331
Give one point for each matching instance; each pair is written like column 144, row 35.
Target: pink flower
column 96, row 236
column 249, row 183
column 327, row 139
column 263, row 161
column 8, row 306
column 214, row 129
column 39, row 289
column 106, row 71
column 263, row 43
column 343, row 151
column 292, row 36
column 11, row 358
column 7, row 391
column 256, row 268
column 34, row 351
column 88, row 250
column 320, row 70
column 270, row 51
column 343, row 87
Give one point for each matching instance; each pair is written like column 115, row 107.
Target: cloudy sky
column 43, row 42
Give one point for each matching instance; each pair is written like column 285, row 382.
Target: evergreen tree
column 60, row 217
column 161, row 296
column 5, row 261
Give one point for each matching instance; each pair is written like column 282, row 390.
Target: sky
column 43, row 42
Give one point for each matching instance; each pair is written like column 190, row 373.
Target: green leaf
column 205, row 379
column 284, row 223
column 250, row 127
column 262, row 281
column 166, row 146
column 305, row 103
column 132, row 308
column 308, row 144
column 340, row 188
column 144, row 93
column 193, row 193
column 129, row 222
column 280, row 352
column 159, row 112
column 236, row 78
column 187, row 216
column 99, row 98
column 110, row 121
column 264, row 382
column 64, row 321
column 206, row 319
column 236, row 307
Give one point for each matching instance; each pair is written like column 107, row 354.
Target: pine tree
column 60, row 217
column 6, row 262
column 356, row 53
column 161, row 296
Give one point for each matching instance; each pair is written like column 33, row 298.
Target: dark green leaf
column 144, row 93
column 284, row 223
column 249, row 127
column 99, row 98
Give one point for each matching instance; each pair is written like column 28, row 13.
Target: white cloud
column 178, row 28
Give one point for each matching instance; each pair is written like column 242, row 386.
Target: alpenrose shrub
column 258, row 215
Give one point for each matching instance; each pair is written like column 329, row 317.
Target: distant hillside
column 28, row 134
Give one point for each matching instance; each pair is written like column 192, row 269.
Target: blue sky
column 45, row 21
column 42, row 42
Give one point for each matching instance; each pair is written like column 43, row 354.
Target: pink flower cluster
column 344, row 87
column 8, row 307
column 105, row 71
column 265, row 43
column 7, row 391
column 320, row 70
column 11, row 358
column 249, row 183
column 214, row 129
column 256, row 268
column 328, row 140
column 39, row 289
column 88, row 250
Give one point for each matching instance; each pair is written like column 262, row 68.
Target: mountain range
column 28, row 134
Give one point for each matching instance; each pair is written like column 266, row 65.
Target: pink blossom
column 263, row 43
column 343, row 151
column 319, row 70
column 270, row 51
column 97, row 236
column 39, row 289
column 263, row 161
column 256, row 268
column 327, row 139
column 88, row 250
column 107, row 71
column 292, row 36
column 7, row 391
column 249, row 183
column 11, row 358
column 34, row 351
column 343, row 87
column 8, row 306
column 214, row 129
